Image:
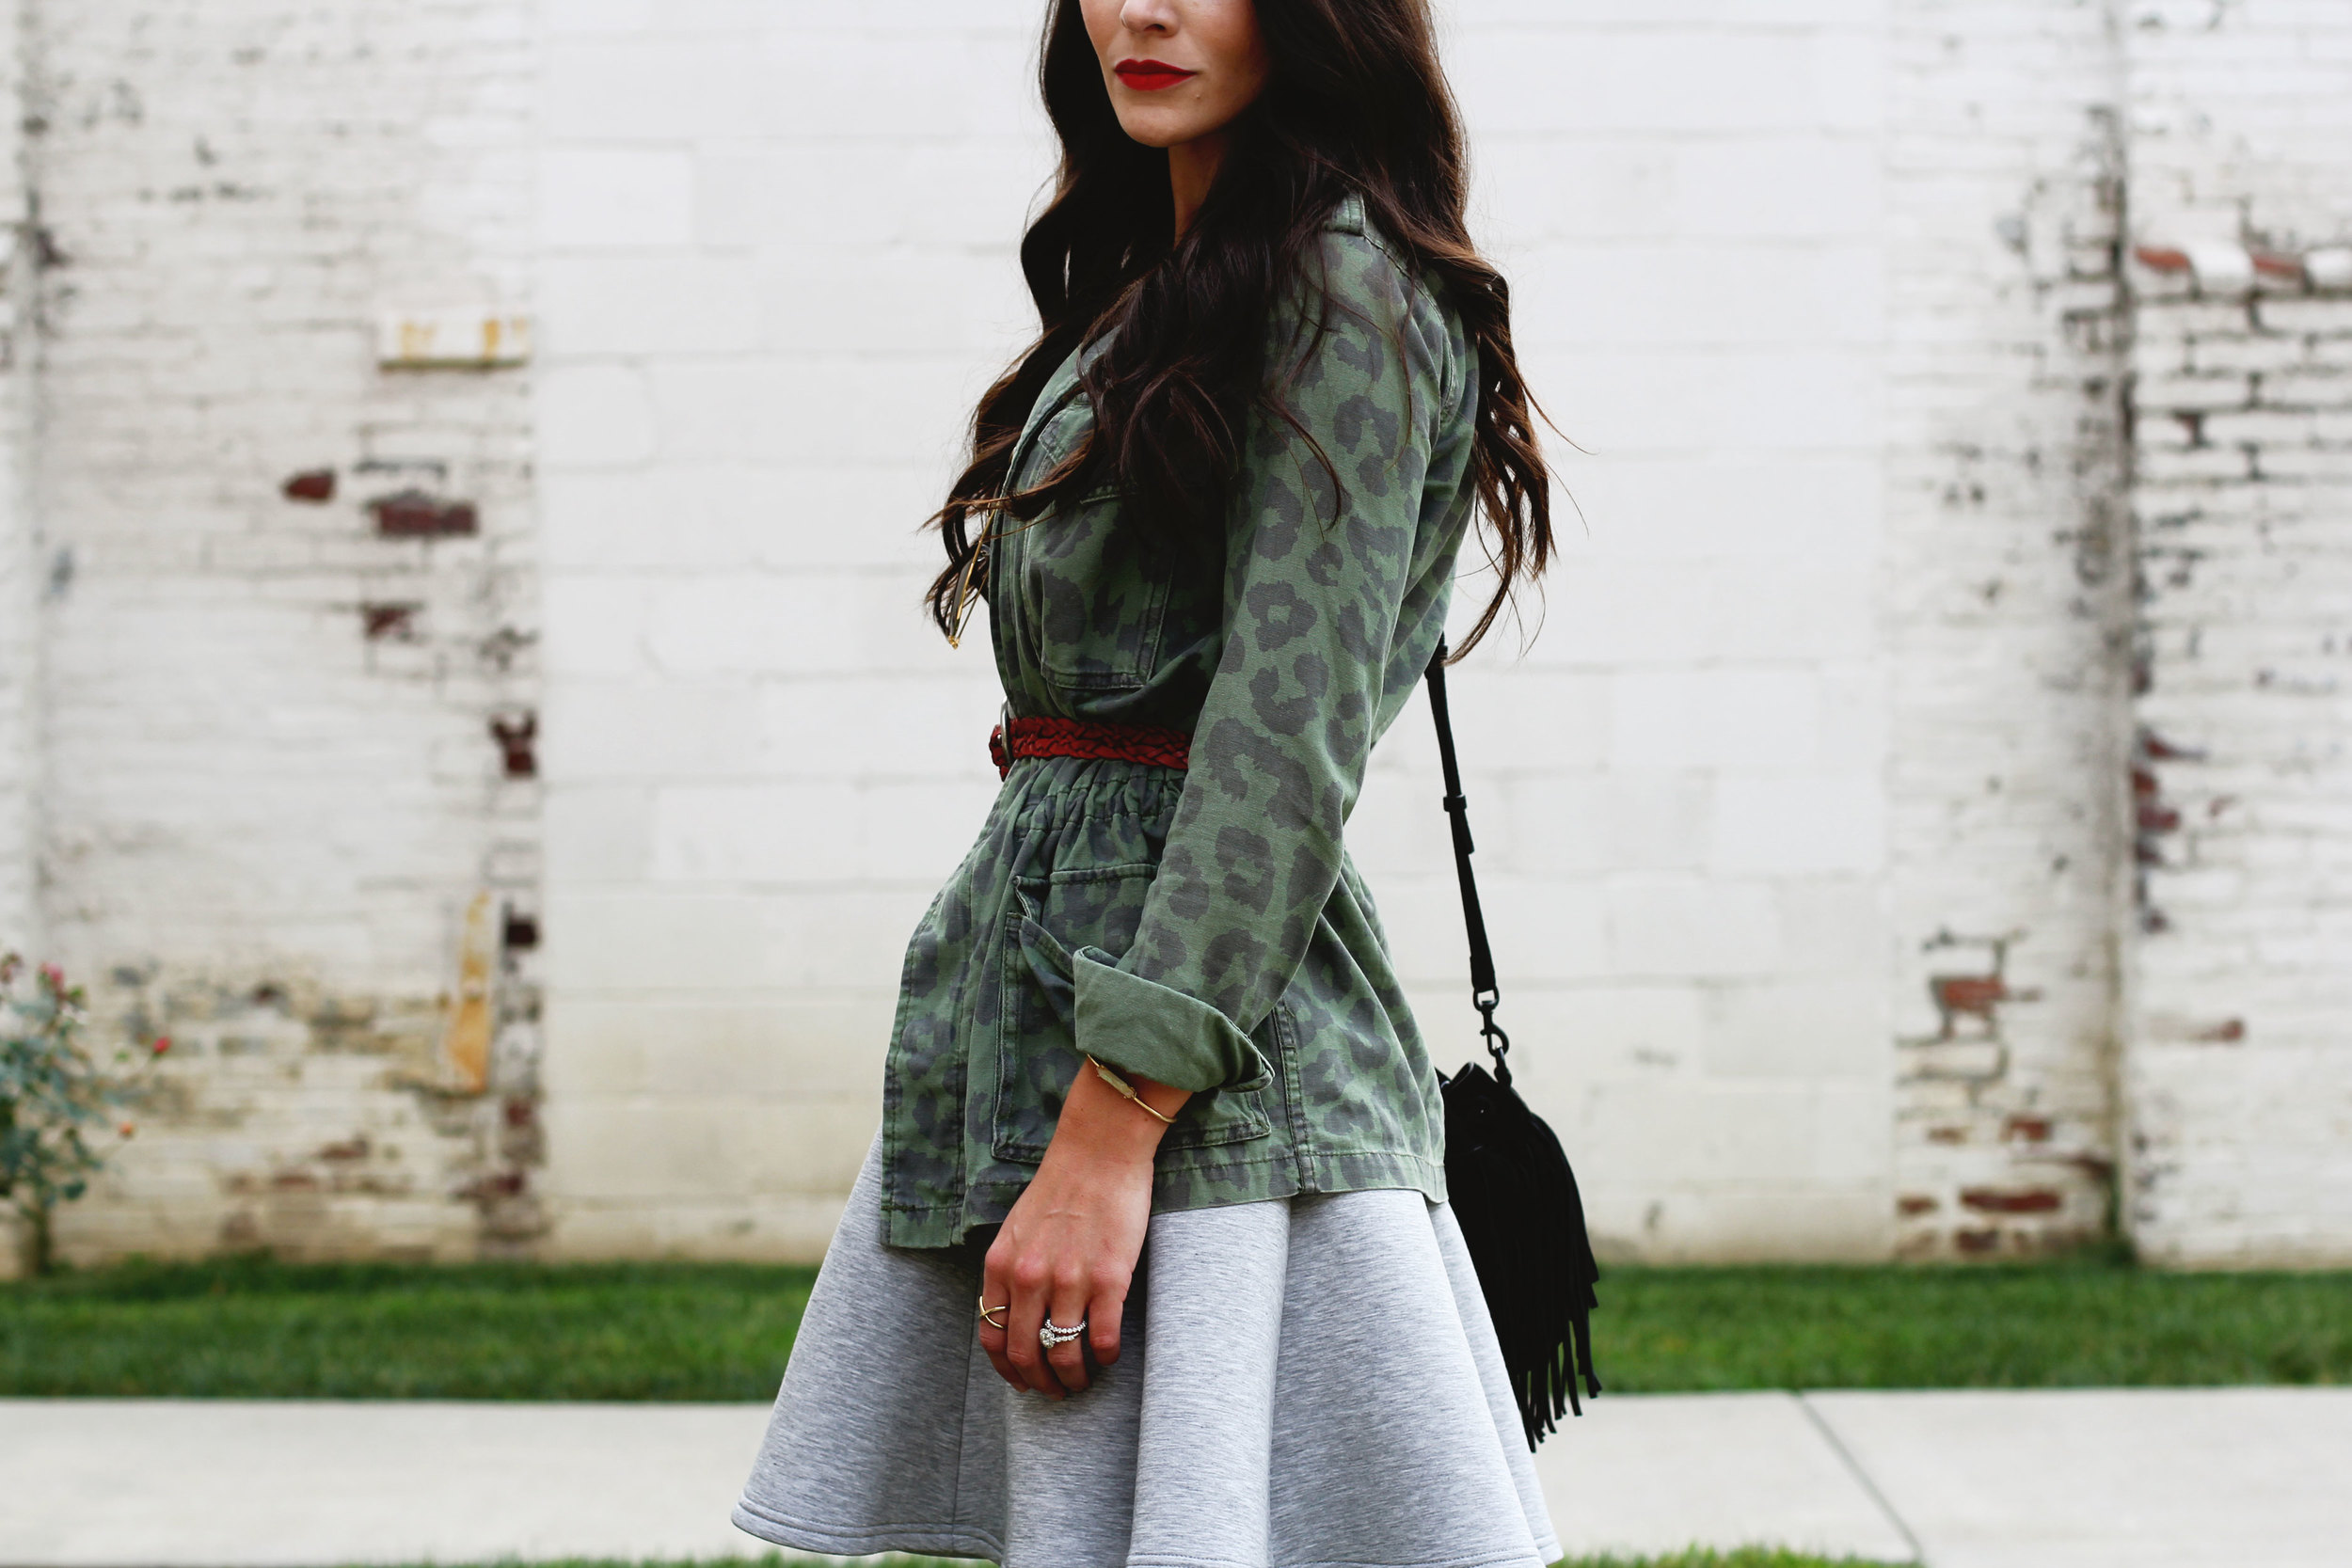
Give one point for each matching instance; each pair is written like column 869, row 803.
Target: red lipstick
column 1152, row 75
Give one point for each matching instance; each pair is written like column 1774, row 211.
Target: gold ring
column 986, row 1309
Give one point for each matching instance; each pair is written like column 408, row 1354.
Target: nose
column 1147, row 16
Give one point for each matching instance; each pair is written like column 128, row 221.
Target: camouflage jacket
column 1203, row 927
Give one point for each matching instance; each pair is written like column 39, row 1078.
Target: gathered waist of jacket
column 1058, row 794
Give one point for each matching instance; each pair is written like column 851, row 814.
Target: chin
column 1158, row 130
column 1155, row 130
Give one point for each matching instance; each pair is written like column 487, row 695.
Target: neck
column 1191, row 169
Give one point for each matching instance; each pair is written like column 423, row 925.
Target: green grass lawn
column 693, row 1331
column 2075, row 1324
column 247, row 1328
column 1748, row 1556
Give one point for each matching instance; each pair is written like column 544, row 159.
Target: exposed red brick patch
column 2161, row 258
column 2152, row 817
column 2150, row 810
column 1998, row 1200
column 2156, row 748
column 353, row 1147
column 415, row 514
column 1976, row 1241
column 380, row 621
column 1913, row 1203
column 2032, row 1129
column 1947, row 1134
column 515, row 737
column 1977, row 996
column 2098, row 1167
column 2230, row 1031
column 520, row 1112
column 312, row 485
column 503, row 1184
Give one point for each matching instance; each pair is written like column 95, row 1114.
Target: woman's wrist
column 1099, row 1120
column 1132, row 1095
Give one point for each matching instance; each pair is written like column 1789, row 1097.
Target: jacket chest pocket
column 1095, row 594
column 1038, row 1054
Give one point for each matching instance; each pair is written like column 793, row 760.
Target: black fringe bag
column 1508, row 1179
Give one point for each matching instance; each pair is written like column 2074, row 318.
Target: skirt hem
column 935, row 1541
column 1508, row 1559
column 845, row 1541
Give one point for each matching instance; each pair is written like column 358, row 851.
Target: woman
column 1151, row 1262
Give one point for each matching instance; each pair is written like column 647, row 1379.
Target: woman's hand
column 1067, row 1249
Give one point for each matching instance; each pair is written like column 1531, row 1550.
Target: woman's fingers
column 1009, row 1337
column 1068, row 1358
column 1003, row 1364
column 1103, row 1314
column 996, row 1326
column 1029, row 1300
column 1062, row 1370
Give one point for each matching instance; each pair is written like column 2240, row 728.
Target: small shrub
column 57, row 1103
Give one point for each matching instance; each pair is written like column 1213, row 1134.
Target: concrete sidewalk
column 2251, row 1478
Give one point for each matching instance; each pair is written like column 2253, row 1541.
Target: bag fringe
column 1516, row 1201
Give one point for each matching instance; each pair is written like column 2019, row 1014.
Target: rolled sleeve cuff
column 1140, row 1026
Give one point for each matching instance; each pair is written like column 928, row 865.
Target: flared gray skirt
column 1307, row 1383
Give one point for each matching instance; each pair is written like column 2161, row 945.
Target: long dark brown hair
column 1354, row 101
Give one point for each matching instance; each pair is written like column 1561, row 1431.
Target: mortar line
column 1862, row 1477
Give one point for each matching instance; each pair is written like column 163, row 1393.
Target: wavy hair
column 1354, row 101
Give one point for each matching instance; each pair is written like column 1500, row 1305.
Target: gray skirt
column 1307, row 1383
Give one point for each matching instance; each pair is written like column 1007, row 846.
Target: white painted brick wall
column 2239, row 1033
column 21, row 551
column 262, row 827
column 2005, row 598
column 1707, row 659
column 776, row 267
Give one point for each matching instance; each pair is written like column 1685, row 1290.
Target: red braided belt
column 1080, row 737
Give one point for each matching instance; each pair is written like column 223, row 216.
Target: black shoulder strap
column 1485, row 995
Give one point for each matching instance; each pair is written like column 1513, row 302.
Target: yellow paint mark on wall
column 466, row 1046
column 451, row 339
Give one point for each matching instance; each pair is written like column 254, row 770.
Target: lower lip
column 1155, row 81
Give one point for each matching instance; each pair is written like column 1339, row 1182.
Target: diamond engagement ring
column 1053, row 1335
